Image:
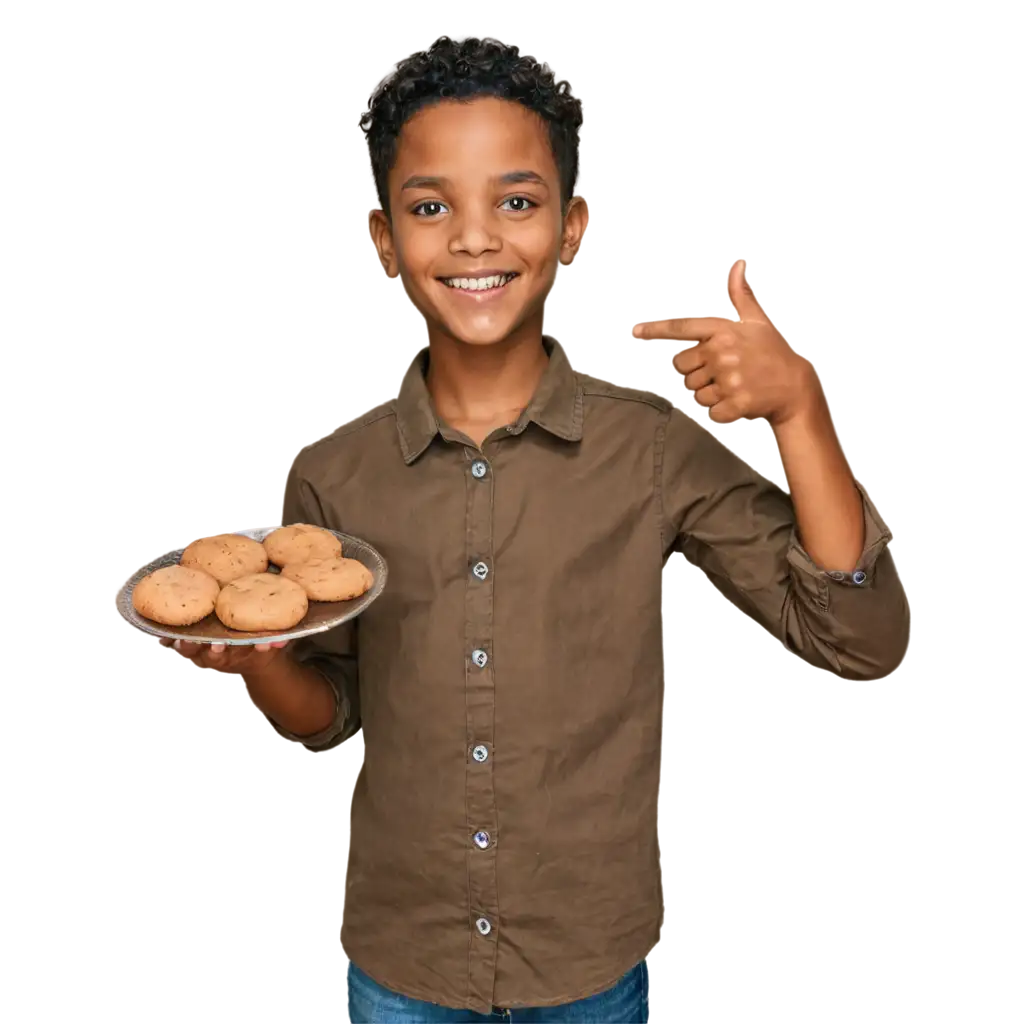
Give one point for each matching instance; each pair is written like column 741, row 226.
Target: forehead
column 484, row 133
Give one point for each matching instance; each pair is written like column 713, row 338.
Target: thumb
column 742, row 295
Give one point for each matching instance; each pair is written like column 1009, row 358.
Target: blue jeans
column 624, row 1003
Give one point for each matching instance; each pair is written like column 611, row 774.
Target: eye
column 520, row 199
column 429, row 202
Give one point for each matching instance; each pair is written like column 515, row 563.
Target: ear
column 384, row 242
column 574, row 224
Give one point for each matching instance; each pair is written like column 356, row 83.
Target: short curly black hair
column 462, row 70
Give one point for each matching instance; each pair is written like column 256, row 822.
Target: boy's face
column 467, row 220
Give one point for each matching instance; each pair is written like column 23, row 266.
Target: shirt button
column 482, row 839
column 859, row 576
column 479, row 658
column 479, row 468
column 483, row 926
column 480, row 570
column 480, row 752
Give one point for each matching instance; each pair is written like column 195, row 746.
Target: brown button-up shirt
column 509, row 679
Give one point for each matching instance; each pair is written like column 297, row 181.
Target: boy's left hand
column 739, row 369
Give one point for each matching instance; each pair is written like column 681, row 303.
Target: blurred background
column 184, row 193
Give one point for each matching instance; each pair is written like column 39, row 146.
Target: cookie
column 264, row 600
column 330, row 579
column 226, row 556
column 176, row 595
column 299, row 543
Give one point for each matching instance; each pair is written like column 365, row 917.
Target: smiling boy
column 504, row 859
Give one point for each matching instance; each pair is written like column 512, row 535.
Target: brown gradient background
column 185, row 292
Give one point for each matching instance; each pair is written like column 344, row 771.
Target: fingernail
column 217, row 648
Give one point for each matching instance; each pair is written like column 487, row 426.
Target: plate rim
column 144, row 625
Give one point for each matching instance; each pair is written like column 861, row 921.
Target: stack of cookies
column 227, row 574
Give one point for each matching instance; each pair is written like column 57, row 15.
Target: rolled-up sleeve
column 740, row 529
column 334, row 652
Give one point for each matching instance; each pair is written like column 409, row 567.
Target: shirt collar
column 556, row 405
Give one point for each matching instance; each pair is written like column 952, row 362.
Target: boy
column 508, row 681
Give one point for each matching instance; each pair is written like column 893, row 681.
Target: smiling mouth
column 478, row 285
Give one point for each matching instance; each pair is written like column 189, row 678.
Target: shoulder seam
column 603, row 389
column 366, row 420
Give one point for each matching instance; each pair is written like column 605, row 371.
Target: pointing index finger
column 691, row 328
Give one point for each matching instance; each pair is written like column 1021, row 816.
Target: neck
column 484, row 383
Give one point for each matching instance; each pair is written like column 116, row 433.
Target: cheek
column 538, row 240
column 410, row 257
column 417, row 251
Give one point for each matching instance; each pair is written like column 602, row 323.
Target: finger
column 171, row 648
column 214, row 655
column 708, row 395
column 725, row 411
column 188, row 648
column 690, row 359
column 699, row 378
column 693, row 329
column 742, row 295
column 166, row 641
column 735, row 406
column 650, row 331
column 281, row 643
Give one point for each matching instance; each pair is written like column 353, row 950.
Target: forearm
column 295, row 696
column 828, row 508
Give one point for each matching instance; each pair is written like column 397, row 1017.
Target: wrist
column 297, row 697
column 807, row 405
column 267, row 664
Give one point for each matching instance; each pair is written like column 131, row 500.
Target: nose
column 475, row 231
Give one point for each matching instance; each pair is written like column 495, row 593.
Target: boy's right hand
column 298, row 697
column 250, row 659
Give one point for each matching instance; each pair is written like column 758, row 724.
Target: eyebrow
column 512, row 178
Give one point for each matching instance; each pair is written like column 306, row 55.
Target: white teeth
column 476, row 284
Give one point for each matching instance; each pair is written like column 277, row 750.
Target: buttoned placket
column 481, row 810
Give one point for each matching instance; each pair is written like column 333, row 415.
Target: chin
column 481, row 336
column 487, row 329
column 480, row 331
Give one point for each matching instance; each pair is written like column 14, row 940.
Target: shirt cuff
column 317, row 740
column 876, row 536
